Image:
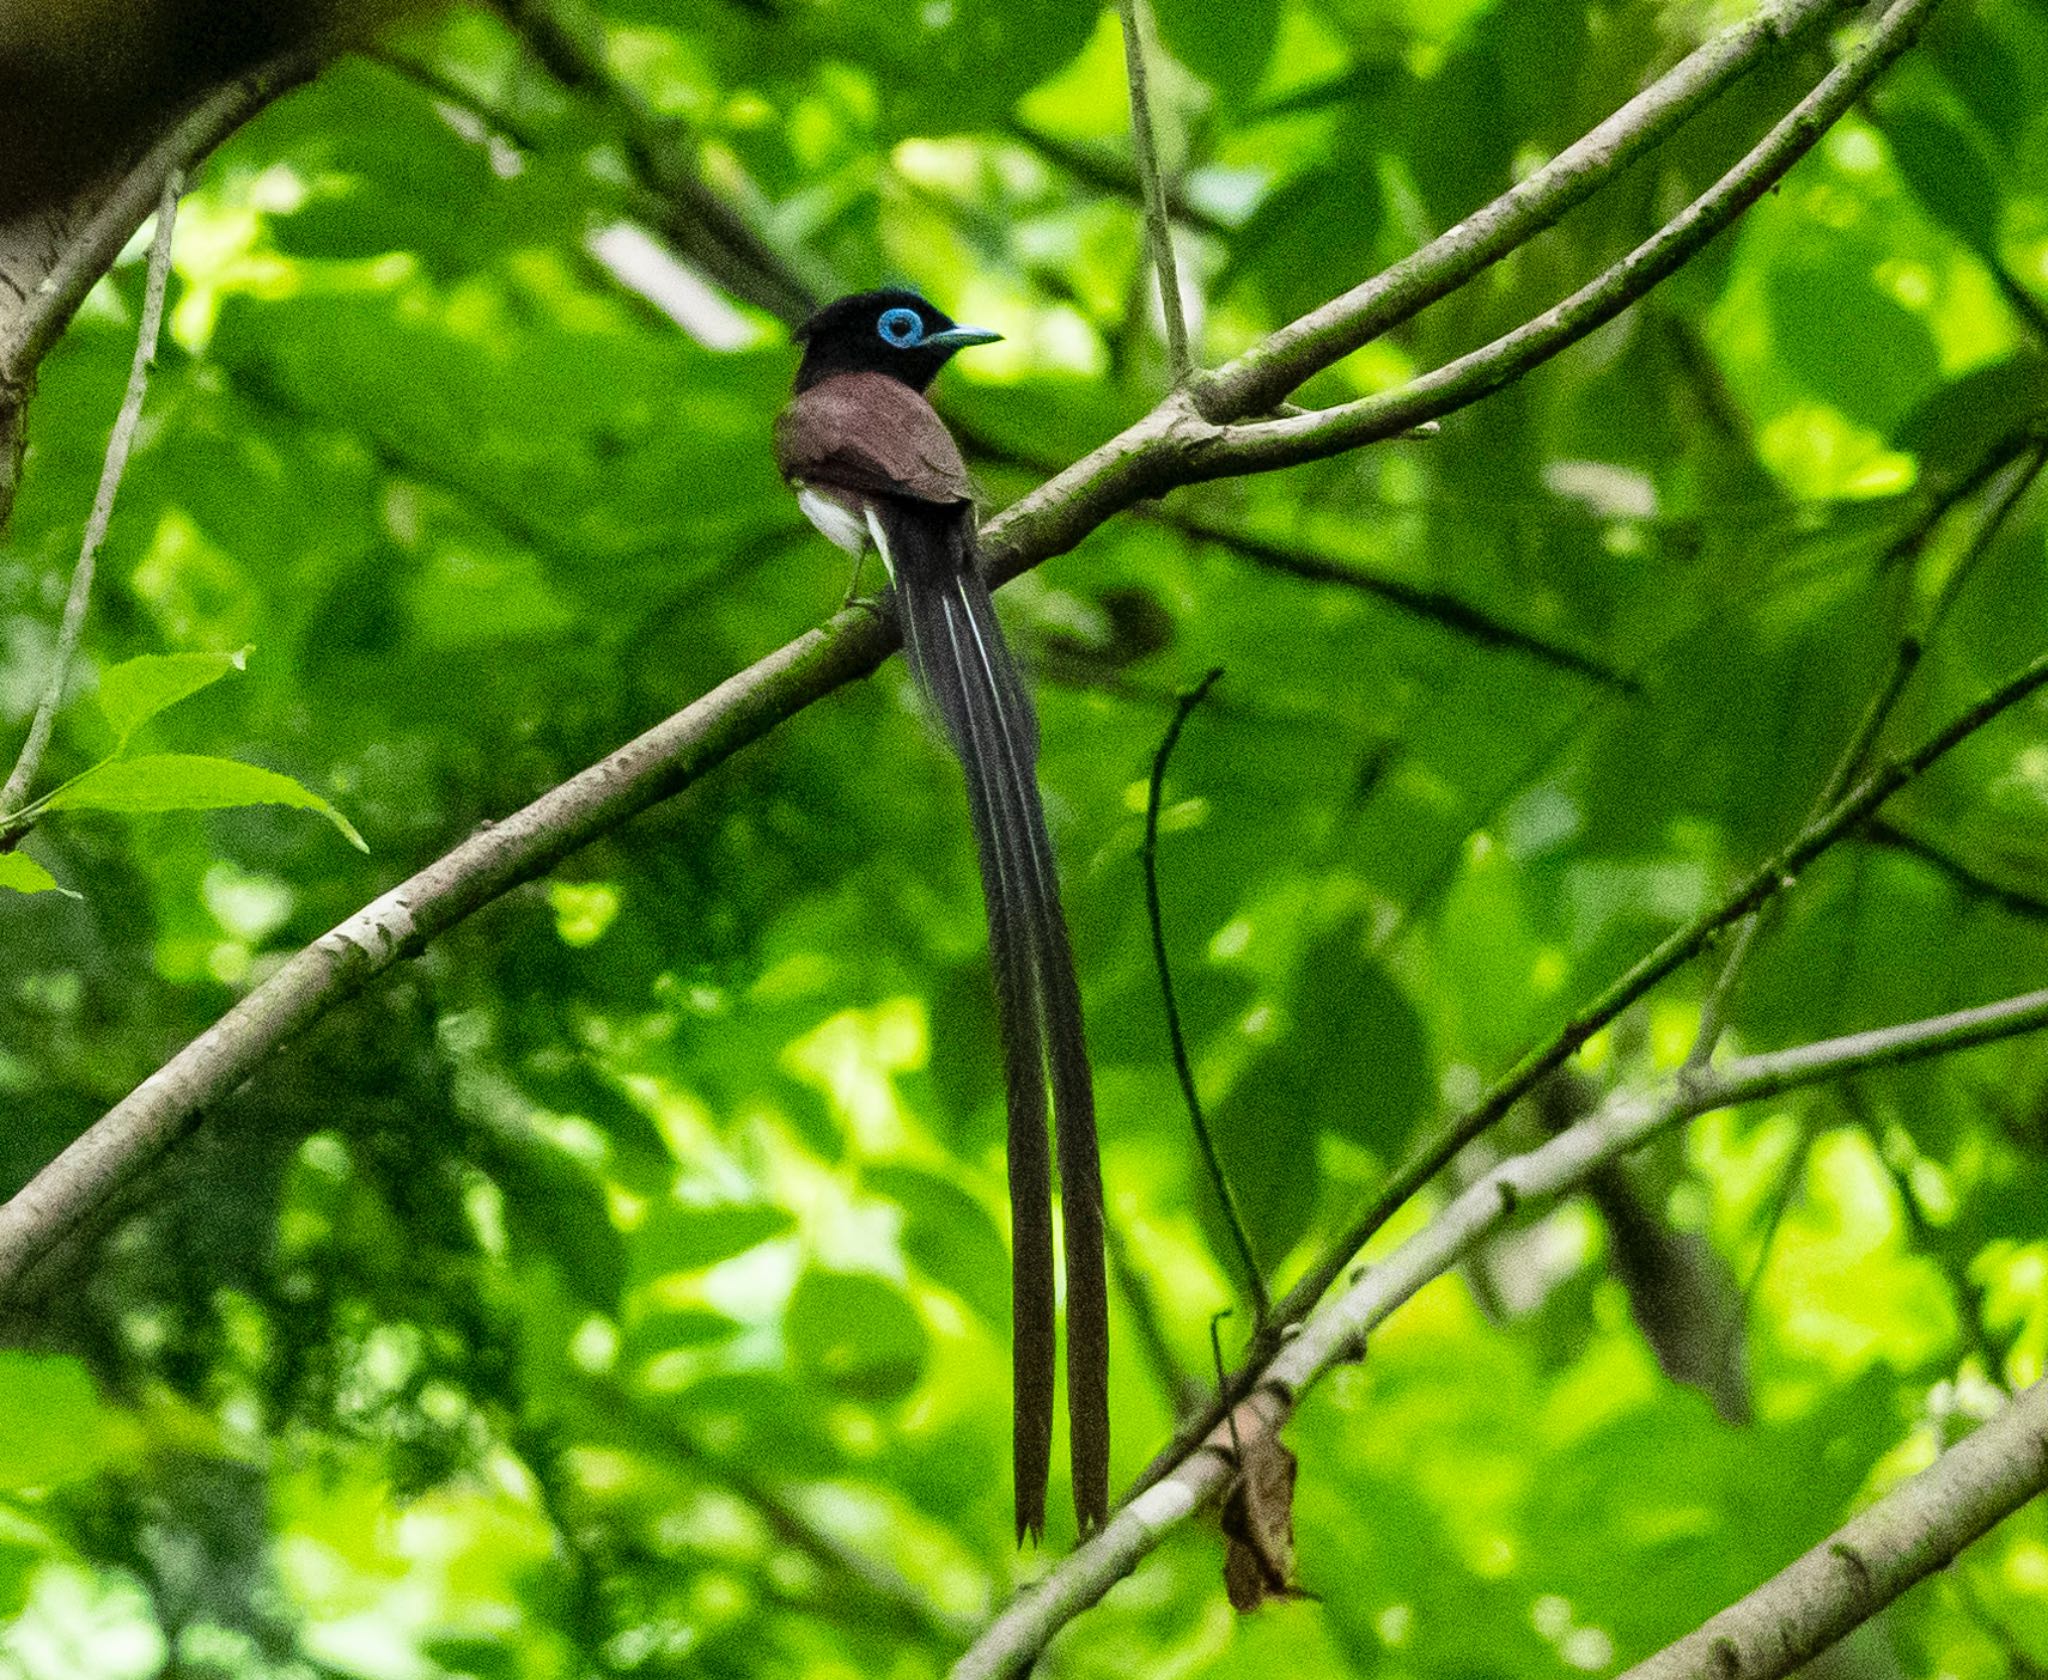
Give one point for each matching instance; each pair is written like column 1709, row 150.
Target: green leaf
column 684, row 1327
column 677, row 1237
column 951, row 1236
column 21, row 873
column 1948, row 174
column 1951, row 428
column 555, row 1206
column 190, row 782
column 1365, row 1040
column 477, row 1657
column 1314, row 235
column 52, row 1426
column 853, row 1332
column 948, row 70
column 1354, row 1062
column 1848, row 341
column 134, row 691
column 1225, row 42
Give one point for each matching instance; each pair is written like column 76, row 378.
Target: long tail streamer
column 961, row 662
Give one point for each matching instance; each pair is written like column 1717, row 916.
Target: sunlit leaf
column 53, row 1428
column 853, row 1333
column 21, row 873
column 684, row 1237
column 137, row 689
column 190, row 782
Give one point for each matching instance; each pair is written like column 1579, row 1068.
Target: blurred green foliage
column 621, row 1287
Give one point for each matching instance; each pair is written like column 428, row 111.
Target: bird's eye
column 900, row 327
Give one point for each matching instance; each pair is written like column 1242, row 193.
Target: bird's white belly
column 841, row 524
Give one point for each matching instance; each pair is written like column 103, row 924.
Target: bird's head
column 890, row 331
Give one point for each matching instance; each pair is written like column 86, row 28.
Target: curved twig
column 1233, row 1216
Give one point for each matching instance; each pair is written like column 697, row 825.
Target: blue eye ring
column 900, row 328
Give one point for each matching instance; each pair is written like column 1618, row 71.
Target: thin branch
column 72, row 627
column 1906, row 657
column 1965, row 875
column 1678, row 948
column 1337, row 1330
column 1149, row 854
column 1917, row 1528
column 1309, row 437
column 90, row 251
column 1281, row 362
column 1158, row 224
column 1435, row 605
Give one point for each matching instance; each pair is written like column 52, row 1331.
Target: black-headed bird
column 873, row 466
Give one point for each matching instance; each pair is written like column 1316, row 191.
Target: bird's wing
column 871, row 433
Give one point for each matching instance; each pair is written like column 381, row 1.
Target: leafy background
column 622, row 1288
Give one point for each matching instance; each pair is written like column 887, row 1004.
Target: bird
column 873, row 466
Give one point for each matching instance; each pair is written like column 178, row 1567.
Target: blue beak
column 956, row 338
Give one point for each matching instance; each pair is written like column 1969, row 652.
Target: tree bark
column 51, row 255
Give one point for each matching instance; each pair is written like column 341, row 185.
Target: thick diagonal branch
column 1920, row 1526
